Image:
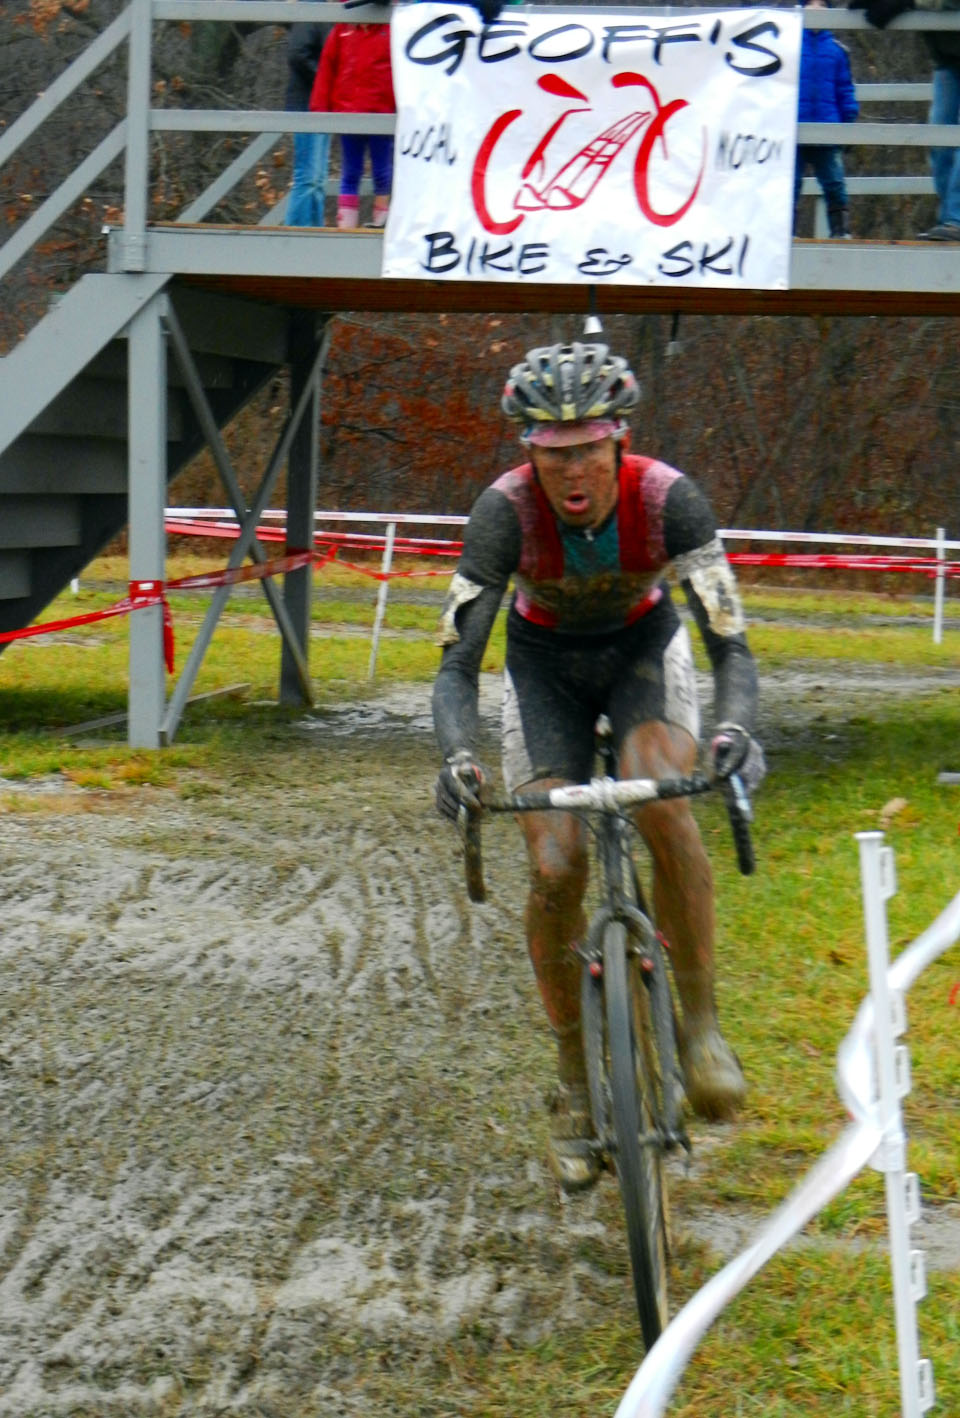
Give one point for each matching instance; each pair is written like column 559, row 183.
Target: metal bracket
column 133, row 253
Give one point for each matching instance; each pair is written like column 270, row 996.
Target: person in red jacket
column 354, row 76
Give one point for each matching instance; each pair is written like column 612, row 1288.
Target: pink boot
column 381, row 205
column 348, row 212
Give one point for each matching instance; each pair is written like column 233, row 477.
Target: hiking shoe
column 712, row 1077
column 943, row 231
column 572, row 1153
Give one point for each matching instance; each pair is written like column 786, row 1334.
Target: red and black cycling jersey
column 591, row 586
column 574, row 580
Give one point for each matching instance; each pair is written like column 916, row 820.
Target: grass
column 813, row 1334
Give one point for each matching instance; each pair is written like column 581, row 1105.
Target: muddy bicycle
column 627, row 1010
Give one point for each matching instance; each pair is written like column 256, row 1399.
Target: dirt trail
column 272, row 1093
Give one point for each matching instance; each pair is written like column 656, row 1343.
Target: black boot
column 839, row 226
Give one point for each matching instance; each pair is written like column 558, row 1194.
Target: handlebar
column 607, row 795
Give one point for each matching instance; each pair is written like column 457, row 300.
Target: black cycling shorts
column 556, row 686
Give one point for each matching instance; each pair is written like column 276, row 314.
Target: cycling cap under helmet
column 570, row 394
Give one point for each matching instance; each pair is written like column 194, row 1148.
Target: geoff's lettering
column 479, row 256
column 767, row 63
column 685, row 258
column 549, row 48
column 446, row 39
column 736, row 150
column 658, row 37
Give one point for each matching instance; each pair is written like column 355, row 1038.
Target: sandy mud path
column 272, row 1093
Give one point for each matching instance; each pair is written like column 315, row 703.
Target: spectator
column 944, row 48
column 216, row 49
column 826, row 96
column 354, row 76
column 311, row 151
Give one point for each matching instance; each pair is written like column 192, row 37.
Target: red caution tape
column 328, row 545
column 142, row 594
column 151, row 593
column 836, row 561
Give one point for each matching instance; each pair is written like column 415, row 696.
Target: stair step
column 215, row 371
column 14, row 574
column 97, row 408
column 242, row 329
column 39, row 522
column 44, row 463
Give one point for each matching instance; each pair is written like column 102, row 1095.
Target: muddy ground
column 272, row 1092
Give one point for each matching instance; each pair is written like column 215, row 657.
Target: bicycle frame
column 627, row 1009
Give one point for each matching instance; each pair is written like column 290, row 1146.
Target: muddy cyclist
column 591, row 534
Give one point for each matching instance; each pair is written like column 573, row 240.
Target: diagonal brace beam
column 241, row 548
column 214, row 438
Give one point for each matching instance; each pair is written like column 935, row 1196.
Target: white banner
column 594, row 146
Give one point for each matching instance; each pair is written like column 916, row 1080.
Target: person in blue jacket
column 826, row 96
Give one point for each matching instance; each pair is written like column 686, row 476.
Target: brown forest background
column 841, row 423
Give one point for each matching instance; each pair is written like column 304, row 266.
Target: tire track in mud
column 272, row 1093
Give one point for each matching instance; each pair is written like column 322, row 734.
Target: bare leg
column 683, row 905
column 682, row 878
column 556, row 848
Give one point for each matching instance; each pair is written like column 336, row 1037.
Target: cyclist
column 589, row 531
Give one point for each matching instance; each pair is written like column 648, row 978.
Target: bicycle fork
column 642, row 945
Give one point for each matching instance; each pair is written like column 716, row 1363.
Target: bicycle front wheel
column 638, row 1156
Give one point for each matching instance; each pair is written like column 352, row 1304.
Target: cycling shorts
column 556, row 686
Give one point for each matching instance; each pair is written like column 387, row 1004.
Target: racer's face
column 580, row 482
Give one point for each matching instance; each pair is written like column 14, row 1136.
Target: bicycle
column 627, row 1011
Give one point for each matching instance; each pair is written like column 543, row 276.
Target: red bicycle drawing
column 578, row 177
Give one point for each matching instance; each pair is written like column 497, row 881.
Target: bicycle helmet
column 575, row 384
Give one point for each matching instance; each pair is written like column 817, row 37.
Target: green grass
column 813, row 1334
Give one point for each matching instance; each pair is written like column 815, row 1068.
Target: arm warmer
column 710, row 588
column 491, row 551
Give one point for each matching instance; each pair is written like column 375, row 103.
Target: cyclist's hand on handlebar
column 459, row 783
column 732, row 750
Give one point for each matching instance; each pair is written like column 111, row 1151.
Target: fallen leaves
column 891, row 809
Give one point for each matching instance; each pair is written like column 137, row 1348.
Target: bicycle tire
column 639, row 1164
column 666, row 1076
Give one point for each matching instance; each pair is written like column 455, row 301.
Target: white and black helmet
column 569, row 384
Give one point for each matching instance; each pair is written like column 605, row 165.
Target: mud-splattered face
column 580, row 482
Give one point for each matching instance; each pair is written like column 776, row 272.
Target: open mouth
column 576, row 503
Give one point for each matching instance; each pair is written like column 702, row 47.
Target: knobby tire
column 634, row 1107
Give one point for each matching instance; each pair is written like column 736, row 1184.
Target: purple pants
column 352, row 147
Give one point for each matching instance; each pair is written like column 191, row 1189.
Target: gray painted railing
column 132, row 136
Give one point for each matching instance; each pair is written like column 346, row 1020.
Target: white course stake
column 878, row 879
column 385, row 565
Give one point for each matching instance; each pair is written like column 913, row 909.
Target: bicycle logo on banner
column 579, row 176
